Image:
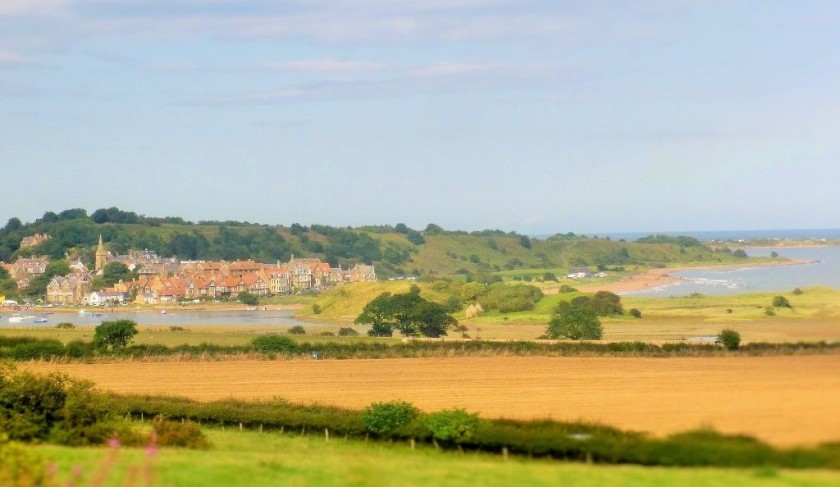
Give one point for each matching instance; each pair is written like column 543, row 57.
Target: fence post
column 326, row 434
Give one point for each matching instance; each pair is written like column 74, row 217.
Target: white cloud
column 11, row 57
column 29, row 7
column 322, row 66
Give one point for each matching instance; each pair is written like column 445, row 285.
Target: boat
column 40, row 319
column 16, row 318
column 96, row 315
column 82, row 311
column 163, row 311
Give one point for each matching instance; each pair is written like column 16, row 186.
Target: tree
column 781, row 302
column 249, row 299
column 114, row 272
column 524, row 241
column 114, row 334
column 574, row 322
column 409, row 313
column 730, row 339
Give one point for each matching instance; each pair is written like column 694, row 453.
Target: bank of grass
column 250, row 458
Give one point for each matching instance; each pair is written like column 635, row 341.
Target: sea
column 822, row 268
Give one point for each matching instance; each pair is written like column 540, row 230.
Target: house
column 103, row 298
column 361, row 273
column 34, row 240
column 68, row 290
column 24, row 270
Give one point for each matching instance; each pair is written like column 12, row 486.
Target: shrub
column 274, row 343
column 384, row 418
column 177, row 328
column 316, row 309
column 565, row 289
column 65, row 326
column 21, row 466
column 247, row 298
column 635, row 313
column 347, row 332
column 730, row 339
column 769, row 311
column 797, row 292
column 454, row 425
column 781, row 302
column 297, row 330
column 41, row 349
column 549, row 276
column 184, row 435
column 79, row 349
column 327, row 334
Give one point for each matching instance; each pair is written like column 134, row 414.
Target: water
column 823, row 269
column 174, row 317
column 729, row 235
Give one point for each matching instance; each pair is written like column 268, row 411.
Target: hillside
column 394, row 250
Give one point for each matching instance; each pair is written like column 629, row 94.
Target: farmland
column 760, row 396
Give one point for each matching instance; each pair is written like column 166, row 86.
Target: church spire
column 101, row 255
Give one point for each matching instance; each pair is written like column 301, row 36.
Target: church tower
column 100, row 256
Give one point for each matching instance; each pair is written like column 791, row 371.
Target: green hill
column 394, row 250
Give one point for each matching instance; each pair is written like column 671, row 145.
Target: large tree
column 574, row 322
column 409, row 313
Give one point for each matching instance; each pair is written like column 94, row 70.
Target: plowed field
column 787, row 400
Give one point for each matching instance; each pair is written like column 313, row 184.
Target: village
column 169, row 280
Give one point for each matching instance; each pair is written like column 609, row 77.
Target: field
column 761, row 396
column 239, row 458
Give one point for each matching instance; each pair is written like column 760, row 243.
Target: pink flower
column 113, row 442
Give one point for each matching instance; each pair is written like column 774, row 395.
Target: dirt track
column 785, row 400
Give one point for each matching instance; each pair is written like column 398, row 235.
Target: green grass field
column 249, row 458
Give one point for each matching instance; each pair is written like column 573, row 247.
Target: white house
column 101, row 298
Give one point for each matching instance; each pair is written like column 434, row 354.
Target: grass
column 250, row 458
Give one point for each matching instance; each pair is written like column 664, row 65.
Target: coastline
column 664, row 277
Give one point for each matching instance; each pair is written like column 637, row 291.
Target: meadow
column 241, row 458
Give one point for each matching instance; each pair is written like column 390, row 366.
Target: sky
column 541, row 117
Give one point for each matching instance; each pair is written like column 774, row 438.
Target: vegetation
column 114, row 334
column 730, row 339
column 386, row 418
column 574, row 322
column 292, row 459
column 249, row 299
column 409, row 313
column 297, row 330
column 781, row 302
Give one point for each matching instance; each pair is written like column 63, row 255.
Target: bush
column 454, row 425
column 21, row 466
column 184, row 435
column 177, row 328
column 797, row 292
column 565, row 289
column 247, row 298
column 316, row 309
column 347, row 332
column 384, row 418
column 635, row 313
column 65, row 326
column 730, row 339
column 297, row 330
column 114, row 334
column 274, row 343
column 781, row 302
column 549, row 276
column 327, row 334
column 38, row 350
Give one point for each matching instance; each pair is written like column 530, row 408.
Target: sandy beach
column 663, row 277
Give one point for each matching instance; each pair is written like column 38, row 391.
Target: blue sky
column 535, row 116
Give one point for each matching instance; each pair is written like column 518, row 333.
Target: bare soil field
column 784, row 400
